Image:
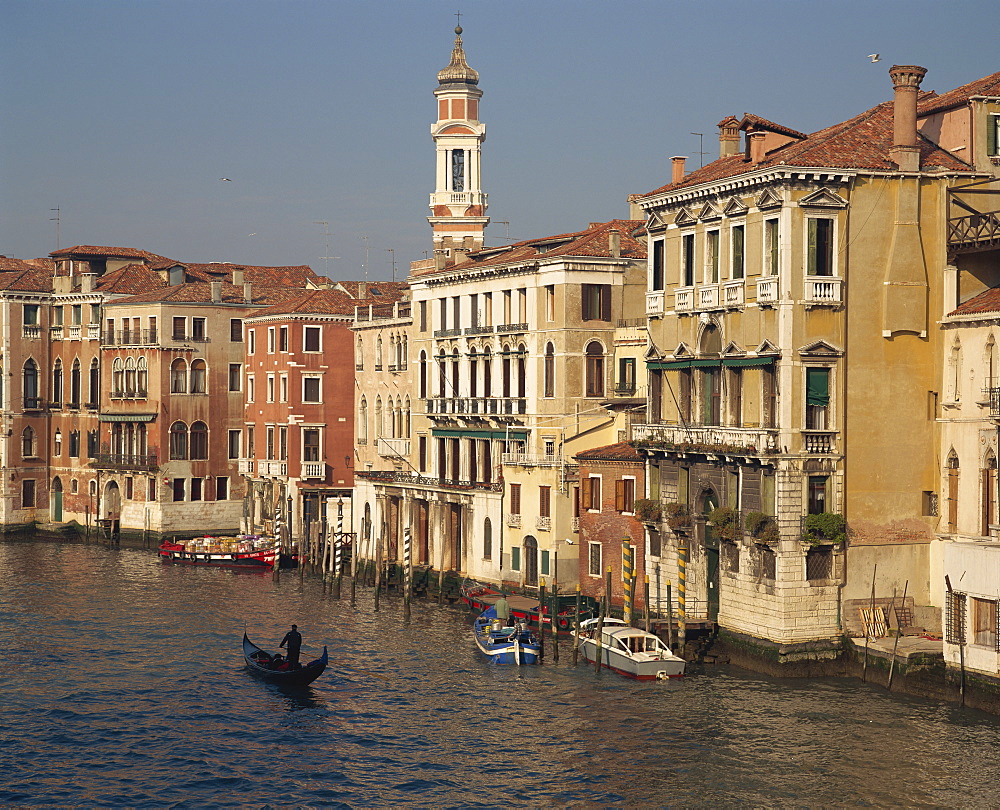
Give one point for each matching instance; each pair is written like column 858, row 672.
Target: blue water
column 123, row 684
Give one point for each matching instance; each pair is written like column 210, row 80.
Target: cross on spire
column 458, row 14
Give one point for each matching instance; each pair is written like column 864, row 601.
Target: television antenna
column 701, row 145
column 57, row 221
column 326, row 233
column 393, row 252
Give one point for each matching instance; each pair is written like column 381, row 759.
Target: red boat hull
column 260, row 559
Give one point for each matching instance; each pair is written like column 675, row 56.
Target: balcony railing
column 474, row 406
column 819, row 441
column 56, row 332
column 126, row 461
column 313, row 469
column 140, row 394
column 33, row 403
column 75, row 332
column 393, row 448
column 400, row 477
column 543, row 524
column 767, row 290
column 684, row 299
column 273, row 468
column 31, row 332
column 513, row 521
column 131, row 337
column 245, row 466
column 823, row 290
column 708, row 297
column 654, row 303
column 446, row 333
column 479, row 330
column 709, row 439
column 977, row 228
column 508, row 328
column 733, row 293
column 532, row 459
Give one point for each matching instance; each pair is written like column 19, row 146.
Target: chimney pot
column 729, row 136
column 615, row 243
column 216, row 292
column 677, row 169
column 237, row 278
column 756, row 146
column 906, row 83
column 247, row 292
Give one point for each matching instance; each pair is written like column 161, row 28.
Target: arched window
column 199, row 441
column 95, row 384
column 30, row 385
column 549, row 371
column 75, row 384
column 456, row 386
column 359, row 355
column 142, row 377
column 178, row 441
column 487, row 372
column 406, row 418
column 199, row 377
column 505, row 370
column 989, row 493
column 378, row 354
column 403, row 362
column 29, row 447
column 952, row 470
column 442, row 375
column 118, row 377
column 57, row 443
column 130, row 376
column 2, row 404
column 363, row 422
column 57, row 383
column 178, row 377
column 422, row 375
column 955, row 372
column 522, row 371
column 140, row 439
column 990, row 367
column 487, row 539
column 595, row 369
column 378, row 417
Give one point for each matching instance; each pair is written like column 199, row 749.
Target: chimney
column 677, row 169
column 729, row 136
column 756, row 146
column 247, row 293
column 216, row 292
column 237, row 278
column 906, row 83
column 615, row 241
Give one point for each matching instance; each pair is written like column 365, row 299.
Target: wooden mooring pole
column 871, row 620
column 895, row 644
column 645, row 596
column 541, row 618
column 576, row 628
column 670, row 618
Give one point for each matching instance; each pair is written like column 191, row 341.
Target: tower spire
column 458, row 205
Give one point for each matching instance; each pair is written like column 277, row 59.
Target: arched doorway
column 710, row 501
column 530, row 561
column 57, row 500
column 111, row 505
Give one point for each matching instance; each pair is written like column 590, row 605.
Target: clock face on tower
column 458, row 170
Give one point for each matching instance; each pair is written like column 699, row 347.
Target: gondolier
column 294, row 641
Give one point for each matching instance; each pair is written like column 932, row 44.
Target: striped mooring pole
column 682, row 556
column 338, row 551
column 407, row 572
column 628, row 566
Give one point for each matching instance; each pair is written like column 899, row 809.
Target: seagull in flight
column 873, row 56
column 226, row 179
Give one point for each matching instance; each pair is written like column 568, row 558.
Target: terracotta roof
column 292, row 275
column 861, row 142
column 132, row 279
column 622, row 451
column 113, row 252
column 197, row 292
column 592, row 242
column 751, row 121
column 987, row 301
column 314, row 302
column 986, row 86
column 21, row 276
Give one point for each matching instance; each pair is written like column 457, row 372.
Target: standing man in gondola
column 294, row 641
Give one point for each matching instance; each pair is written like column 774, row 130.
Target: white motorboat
column 629, row 651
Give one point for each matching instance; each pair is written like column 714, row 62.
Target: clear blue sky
column 125, row 113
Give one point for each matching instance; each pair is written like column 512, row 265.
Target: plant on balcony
column 726, row 522
column 825, row 528
column 761, row 527
column 678, row 516
column 648, row 510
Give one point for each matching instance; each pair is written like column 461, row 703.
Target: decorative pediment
column 708, row 213
column 652, row 354
column 734, row 208
column 821, row 349
column 654, row 221
column 683, row 350
column 768, row 199
column 823, row 198
column 733, row 350
column 767, row 347
column 684, row 217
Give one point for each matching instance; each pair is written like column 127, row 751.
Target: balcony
column 734, row 294
column 93, row 331
column 75, row 332
column 33, row 332
column 56, row 332
column 819, row 442
column 245, row 466
column 272, row 468
column 509, row 328
column 141, row 394
column 33, row 403
column 447, row 333
column 977, row 228
column 479, row 330
column 475, row 406
column 513, row 521
column 392, row 448
column 823, row 290
column 129, row 337
column 532, row 459
column 313, row 469
column 126, row 461
column 714, row 440
column 543, row 524
column 767, row 290
column 415, row 479
column 708, row 297
column 684, row 299
column 654, row 303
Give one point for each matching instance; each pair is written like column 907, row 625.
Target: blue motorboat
column 505, row 643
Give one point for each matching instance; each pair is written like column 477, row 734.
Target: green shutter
column 818, row 387
column 812, row 258
column 515, row 558
column 738, row 235
column 992, row 130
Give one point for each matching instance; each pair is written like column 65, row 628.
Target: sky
column 125, row 114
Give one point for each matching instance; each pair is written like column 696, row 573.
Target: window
column 178, row 489
column 74, row 444
column 236, row 330
column 544, row 563
column 198, row 329
column 28, row 493
column 487, row 539
column 57, row 316
column 270, row 388
column 594, row 559
column 310, row 389
column 222, row 488
column 199, row 377
column 596, row 302
column 199, row 441
column 819, row 563
column 363, row 421
column 817, row 398
column 549, row 371
column 29, row 380
column 657, row 273
column 282, row 338
column 515, row 499
column 178, row 377
column 737, row 237
column 251, row 341
column 310, row 338
column 282, row 388
column 769, row 384
column 515, row 558
column 595, row 369
column 993, row 135
column 550, row 302
column 736, row 397
column 179, row 329
column 251, row 388
column 283, row 443
column 57, row 443
column 178, row 441
column 270, row 443
column 954, row 620
column 196, row 486
column 422, row 453
column 771, row 247
column 235, row 376
column 235, row 443
column 712, row 257
column 57, row 384
column 626, row 375
column 817, row 494
column 625, row 495
column 545, row 501
column 30, row 312
column 820, row 249
column 767, row 561
column 711, row 396
column 74, row 385
column 92, row 443
column 28, row 443
column 250, row 441
column 592, row 493
column 984, row 623
column 655, row 543
column 423, row 316
column 310, row 444
column 687, row 260
column 94, row 384
column 270, row 340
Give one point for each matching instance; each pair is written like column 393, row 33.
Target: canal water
column 122, row 683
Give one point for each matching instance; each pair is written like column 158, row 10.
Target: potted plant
column 825, row 528
column 726, row 522
column 678, row 516
column 761, row 527
column 647, row 510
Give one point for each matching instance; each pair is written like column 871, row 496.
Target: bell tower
column 458, row 205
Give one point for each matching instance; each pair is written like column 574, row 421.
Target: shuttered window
column 515, row 499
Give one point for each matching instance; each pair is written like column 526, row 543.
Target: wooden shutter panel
column 992, row 130
column 605, row 302
column 811, row 255
column 585, row 291
column 585, row 495
column 619, row 496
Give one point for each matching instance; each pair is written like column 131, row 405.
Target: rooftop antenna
column 506, row 225
column 393, row 252
column 701, row 144
column 326, row 233
column 366, row 258
column 56, row 220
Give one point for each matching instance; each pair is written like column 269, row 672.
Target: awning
column 710, row 362
column 746, row 362
column 127, row 417
column 516, row 435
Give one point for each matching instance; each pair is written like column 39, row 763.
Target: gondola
column 259, row 662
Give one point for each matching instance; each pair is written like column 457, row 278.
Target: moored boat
column 479, row 597
column 629, row 651
column 245, row 551
column 275, row 669
column 505, row 643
